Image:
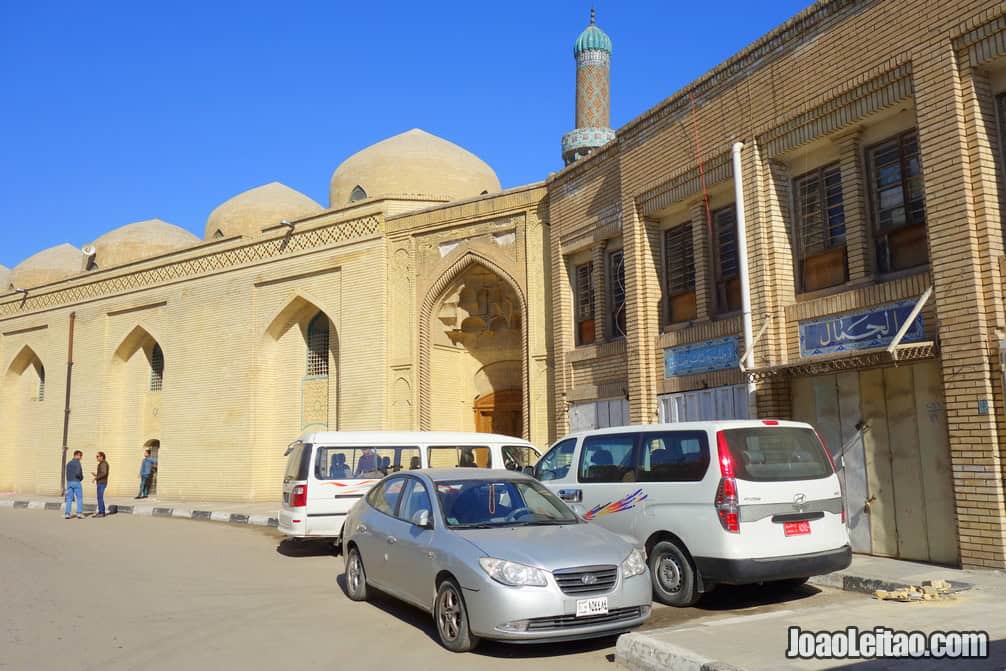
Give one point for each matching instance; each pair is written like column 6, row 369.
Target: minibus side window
column 673, row 456
column 334, row 462
column 443, row 456
column 555, row 464
column 608, row 458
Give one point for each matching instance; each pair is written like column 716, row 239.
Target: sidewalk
column 259, row 514
column 758, row 642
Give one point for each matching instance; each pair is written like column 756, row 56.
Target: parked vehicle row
column 611, row 519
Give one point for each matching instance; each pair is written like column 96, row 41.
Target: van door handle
column 361, row 528
column 392, row 540
column 571, row 495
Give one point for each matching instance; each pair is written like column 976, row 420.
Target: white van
column 712, row 502
column 329, row 471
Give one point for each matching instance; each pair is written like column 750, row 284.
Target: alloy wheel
column 449, row 615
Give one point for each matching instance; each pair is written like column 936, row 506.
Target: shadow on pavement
column 289, row 547
column 423, row 621
column 732, row 597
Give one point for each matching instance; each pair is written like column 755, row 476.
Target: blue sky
column 116, row 112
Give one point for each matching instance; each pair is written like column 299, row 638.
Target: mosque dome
column 249, row 212
column 4, row 279
column 413, row 163
column 50, row 265
column 592, row 38
column 140, row 240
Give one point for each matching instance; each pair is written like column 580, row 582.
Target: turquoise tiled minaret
column 592, row 51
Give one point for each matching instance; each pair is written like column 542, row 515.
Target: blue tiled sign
column 859, row 330
column 701, row 357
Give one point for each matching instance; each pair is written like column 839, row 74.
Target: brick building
column 870, row 172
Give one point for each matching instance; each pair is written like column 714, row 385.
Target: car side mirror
column 528, row 470
column 421, row 518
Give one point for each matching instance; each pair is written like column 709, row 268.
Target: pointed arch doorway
column 473, row 351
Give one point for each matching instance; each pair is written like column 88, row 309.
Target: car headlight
column 512, row 573
column 634, row 564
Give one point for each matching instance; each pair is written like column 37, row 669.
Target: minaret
column 592, row 52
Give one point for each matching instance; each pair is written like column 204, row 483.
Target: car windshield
column 499, row 503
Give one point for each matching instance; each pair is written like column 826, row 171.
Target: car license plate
column 796, row 528
column 598, row 606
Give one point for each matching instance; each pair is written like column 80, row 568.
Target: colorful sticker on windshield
column 618, row 506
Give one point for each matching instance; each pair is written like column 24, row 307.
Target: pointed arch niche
column 22, row 413
column 473, row 346
column 298, row 378
column 139, row 368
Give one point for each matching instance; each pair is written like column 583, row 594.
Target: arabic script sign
column 859, row 330
column 701, row 357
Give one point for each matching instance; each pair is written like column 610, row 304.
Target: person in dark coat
column 74, row 488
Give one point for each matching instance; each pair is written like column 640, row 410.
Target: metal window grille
column 679, row 260
column 156, row 369
column 41, row 383
column 820, row 212
column 317, row 345
column 725, row 229
column 897, row 192
column 585, row 292
column 616, row 284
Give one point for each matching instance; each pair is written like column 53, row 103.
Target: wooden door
column 499, row 412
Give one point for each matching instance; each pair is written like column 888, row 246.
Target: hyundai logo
column 588, row 579
column 799, row 500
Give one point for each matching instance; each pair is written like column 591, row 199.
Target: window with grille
column 726, row 266
column 41, row 383
column 899, row 207
column 616, row 293
column 156, row 368
column 317, row 346
column 585, row 304
column 819, row 216
column 679, row 272
column 357, row 194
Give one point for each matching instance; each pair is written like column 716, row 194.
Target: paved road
column 125, row 592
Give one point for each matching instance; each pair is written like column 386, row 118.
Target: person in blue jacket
column 146, row 473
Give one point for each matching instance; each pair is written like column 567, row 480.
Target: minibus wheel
column 674, row 580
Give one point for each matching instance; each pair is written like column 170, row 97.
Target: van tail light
column 298, row 497
column 834, row 469
column 726, row 502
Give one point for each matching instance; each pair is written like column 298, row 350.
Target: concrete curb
column 640, row 652
column 154, row 511
column 867, row 585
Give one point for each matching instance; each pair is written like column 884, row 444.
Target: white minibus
column 712, row 502
column 329, row 471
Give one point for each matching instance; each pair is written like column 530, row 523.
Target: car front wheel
column 356, row 576
column 674, row 579
column 451, row 617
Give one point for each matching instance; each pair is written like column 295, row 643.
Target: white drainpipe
column 742, row 262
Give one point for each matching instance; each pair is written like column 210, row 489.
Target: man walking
column 74, row 488
column 146, row 472
column 101, row 480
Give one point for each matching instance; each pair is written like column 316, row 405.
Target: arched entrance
column 473, row 354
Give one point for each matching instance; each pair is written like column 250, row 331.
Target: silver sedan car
column 493, row 554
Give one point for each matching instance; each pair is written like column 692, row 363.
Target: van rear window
column 297, row 458
column 772, row 454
